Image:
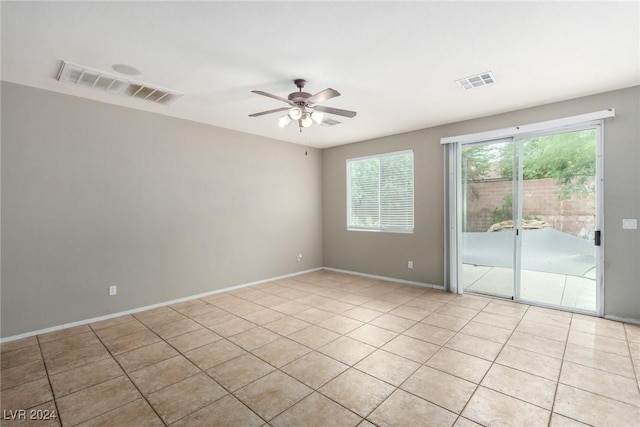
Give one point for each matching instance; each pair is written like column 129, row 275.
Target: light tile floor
column 329, row 349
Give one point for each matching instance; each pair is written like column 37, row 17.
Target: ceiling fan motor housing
column 299, row 98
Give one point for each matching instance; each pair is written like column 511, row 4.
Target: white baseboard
column 148, row 307
column 389, row 279
column 622, row 319
column 231, row 288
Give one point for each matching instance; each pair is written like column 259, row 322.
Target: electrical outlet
column 630, row 224
column 113, row 290
column 410, row 264
column 299, row 257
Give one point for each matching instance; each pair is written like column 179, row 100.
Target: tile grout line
column 179, row 353
column 335, row 314
column 314, row 390
column 396, row 388
column 207, row 328
column 562, row 360
column 317, row 390
column 79, row 390
column 278, row 369
column 597, row 369
column 459, row 415
column 223, row 338
column 633, row 365
column 478, row 385
column 441, row 347
column 326, row 292
column 229, row 392
column 564, row 352
column 127, row 374
column 23, row 364
column 424, row 364
column 46, row 370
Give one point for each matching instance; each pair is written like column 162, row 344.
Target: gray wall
column 94, row 195
column 387, row 254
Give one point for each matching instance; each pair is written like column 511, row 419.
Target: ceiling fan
column 303, row 107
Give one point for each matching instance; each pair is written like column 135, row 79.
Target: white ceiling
column 395, row 63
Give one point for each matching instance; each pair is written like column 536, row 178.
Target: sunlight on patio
column 548, row 288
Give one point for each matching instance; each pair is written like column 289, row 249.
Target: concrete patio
column 548, row 288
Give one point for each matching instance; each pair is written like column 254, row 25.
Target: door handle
column 597, row 238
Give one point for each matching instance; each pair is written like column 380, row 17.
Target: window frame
column 380, row 228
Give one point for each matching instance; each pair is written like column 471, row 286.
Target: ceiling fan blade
column 323, row 95
column 279, row 98
column 336, row 111
column 268, row 112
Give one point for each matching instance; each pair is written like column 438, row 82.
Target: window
column 380, row 192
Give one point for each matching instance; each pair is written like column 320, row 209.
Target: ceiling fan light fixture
column 284, row 121
column 306, row 120
column 317, row 116
column 295, row 113
column 303, row 107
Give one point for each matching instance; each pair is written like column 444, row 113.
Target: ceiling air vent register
column 328, row 121
column 482, row 79
column 81, row 75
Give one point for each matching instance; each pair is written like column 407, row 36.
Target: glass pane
column 364, row 193
column 380, row 193
column 487, row 218
column 396, row 192
column 558, row 261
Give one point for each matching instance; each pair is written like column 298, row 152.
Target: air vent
column 329, row 122
column 482, row 79
column 88, row 77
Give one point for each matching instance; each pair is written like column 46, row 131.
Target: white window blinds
column 380, row 192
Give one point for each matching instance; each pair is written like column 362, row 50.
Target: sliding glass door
column 528, row 218
column 559, row 219
column 488, row 237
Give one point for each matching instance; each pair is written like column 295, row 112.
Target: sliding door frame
column 454, row 193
